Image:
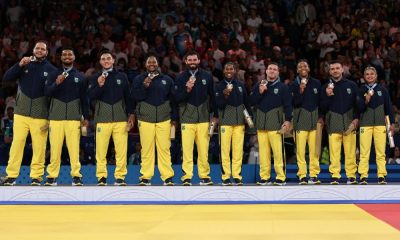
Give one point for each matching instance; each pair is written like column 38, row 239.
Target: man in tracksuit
column 306, row 92
column 110, row 91
column 153, row 92
column 374, row 106
column 67, row 87
column 231, row 98
column 195, row 95
column 31, row 112
column 339, row 102
column 274, row 113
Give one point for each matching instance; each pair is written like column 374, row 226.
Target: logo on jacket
column 379, row 93
column 118, row 81
column 240, row 89
column 98, row 129
column 348, row 90
column 45, row 74
column 164, row 82
column 315, row 91
column 76, row 80
column 26, row 71
column 276, row 91
column 204, row 81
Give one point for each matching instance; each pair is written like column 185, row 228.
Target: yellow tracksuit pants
column 232, row 135
column 379, row 135
column 302, row 139
column 22, row 126
column 195, row 133
column 335, row 149
column 155, row 135
column 268, row 140
column 58, row 130
column 120, row 137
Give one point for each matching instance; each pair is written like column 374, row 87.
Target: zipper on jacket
column 30, row 107
column 98, row 108
column 277, row 114
column 265, row 119
column 112, row 106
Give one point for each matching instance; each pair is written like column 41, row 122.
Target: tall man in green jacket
column 31, row 112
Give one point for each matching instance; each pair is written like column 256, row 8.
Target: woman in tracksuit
column 374, row 106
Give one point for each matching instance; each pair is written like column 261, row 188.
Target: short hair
column 44, row 42
column 336, row 61
column 232, row 64
column 152, row 55
column 302, row 61
column 68, row 49
column 106, row 51
column 371, row 68
column 273, row 63
column 192, row 52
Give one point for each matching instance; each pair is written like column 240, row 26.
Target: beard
column 193, row 66
column 67, row 63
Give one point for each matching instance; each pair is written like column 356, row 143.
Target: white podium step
column 200, row 194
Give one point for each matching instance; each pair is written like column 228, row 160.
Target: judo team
column 53, row 104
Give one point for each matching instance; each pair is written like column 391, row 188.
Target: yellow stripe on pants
column 268, row 140
column 22, row 126
column 366, row 134
column 120, row 137
column 234, row 135
column 70, row 129
column 151, row 135
column 195, row 133
column 302, row 139
column 335, row 151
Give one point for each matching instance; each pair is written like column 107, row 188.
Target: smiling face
column 67, row 57
column 303, row 69
column 229, row 71
column 107, row 60
column 151, row 64
column 40, row 50
column 370, row 75
column 192, row 61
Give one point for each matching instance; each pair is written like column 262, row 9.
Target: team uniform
column 373, row 125
column 274, row 106
column 154, row 110
column 305, row 117
column 194, row 112
column 67, row 106
column 341, row 110
column 30, row 116
column 112, row 104
column 231, row 121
